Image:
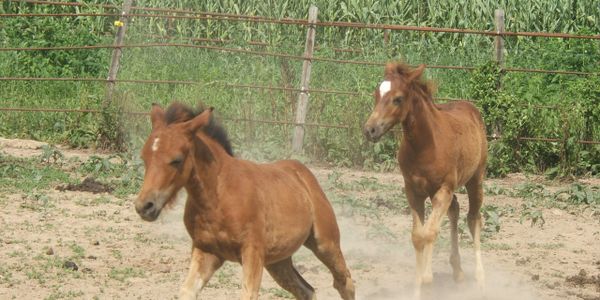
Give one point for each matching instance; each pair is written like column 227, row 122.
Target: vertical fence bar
column 302, row 104
column 498, row 57
column 499, row 41
column 116, row 55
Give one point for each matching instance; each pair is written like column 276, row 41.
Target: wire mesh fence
column 204, row 44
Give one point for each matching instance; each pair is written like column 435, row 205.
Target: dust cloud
column 169, row 224
column 384, row 269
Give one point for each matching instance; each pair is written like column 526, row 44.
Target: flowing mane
column 179, row 112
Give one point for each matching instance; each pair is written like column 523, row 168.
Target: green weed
column 531, row 213
column 55, row 295
column 579, row 193
column 122, row 274
column 281, row 293
column 495, row 190
column 491, row 215
column 78, row 251
column 29, row 175
column 507, row 111
column 51, row 155
column 6, row 276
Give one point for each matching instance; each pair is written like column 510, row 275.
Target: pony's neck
column 419, row 125
column 209, row 157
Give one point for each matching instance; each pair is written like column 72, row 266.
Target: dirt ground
column 94, row 246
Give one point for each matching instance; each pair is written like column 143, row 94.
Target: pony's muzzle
column 148, row 210
column 372, row 133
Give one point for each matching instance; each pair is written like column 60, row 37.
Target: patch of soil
column 120, row 256
column 583, row 278
column 87, row 185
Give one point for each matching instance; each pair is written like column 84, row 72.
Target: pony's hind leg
column 475, row 191
column 284, row 273
column 202, row 267
column 453, row 212
column 329, row 253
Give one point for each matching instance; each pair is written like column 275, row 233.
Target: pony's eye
column 176, row 162
column 398, row 100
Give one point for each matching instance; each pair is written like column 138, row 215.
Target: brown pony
column 443, row 147
column 254, row 214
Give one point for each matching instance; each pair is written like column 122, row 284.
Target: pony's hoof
column 427, row 279
column 459, row 276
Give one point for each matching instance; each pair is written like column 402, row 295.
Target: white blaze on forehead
column 155, row 144
column 384, row 88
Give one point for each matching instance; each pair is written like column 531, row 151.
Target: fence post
column 499, row 41
column 498, row 57
column 116, row 55
column 302, row 104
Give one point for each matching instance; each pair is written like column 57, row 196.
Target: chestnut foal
column 443, row 147
column 237, row 210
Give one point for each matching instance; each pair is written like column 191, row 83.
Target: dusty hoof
column 427, row 279
column 459, row 276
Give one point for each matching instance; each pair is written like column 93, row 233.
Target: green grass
column 29, row 175
column 123, row 274
column 281, row 293
column 6, row 276
column 59, row 294
column 213, row 70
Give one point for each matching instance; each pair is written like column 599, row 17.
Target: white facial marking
column 384, row 88
column 155, row 144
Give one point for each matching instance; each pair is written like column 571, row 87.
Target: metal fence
column 127, row 11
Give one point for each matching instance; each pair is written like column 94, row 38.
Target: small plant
column 334, row 178
column 579, row 193
column 529, row 212
column 5, row 276
column 116, row 254
column 78, row 251
column 494, row 190
column 51, row 154
column 122, row 274
column 491, row 214
column 37, row 202
column 281, row 293
column 97, row 165
column 64, row 295
column 529, row 190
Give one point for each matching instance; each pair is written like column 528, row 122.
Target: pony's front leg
column 252, row 268
column 202, row 266
column 440, row 203
column 417, row 207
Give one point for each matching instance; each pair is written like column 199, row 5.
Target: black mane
column 179, row 112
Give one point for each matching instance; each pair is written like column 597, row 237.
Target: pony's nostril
column 148, row 206
column 372, row 130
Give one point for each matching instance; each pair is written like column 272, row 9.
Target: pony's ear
column 157, row 116
column 199, row 121
column 391, row 68
column 416, row 73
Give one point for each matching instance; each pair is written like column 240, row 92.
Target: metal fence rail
column 276, row 122
column 276, row 54
column 288, row 21
column 169, row 13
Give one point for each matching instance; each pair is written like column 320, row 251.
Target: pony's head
column 167, row 157
column 394, row 98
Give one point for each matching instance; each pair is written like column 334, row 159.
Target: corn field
column 215, row 71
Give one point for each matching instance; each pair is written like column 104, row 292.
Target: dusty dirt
column 89, row 184
column 119, row 256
